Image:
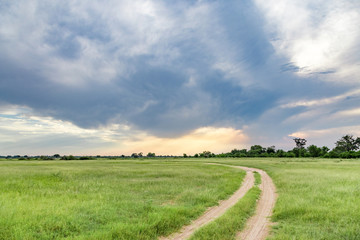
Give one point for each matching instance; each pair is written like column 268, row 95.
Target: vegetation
column 233, row 221
column 345, row 148
column 317, row 198
column 130, row 199
column 107, row 199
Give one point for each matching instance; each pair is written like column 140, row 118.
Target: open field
column 104, row 199
column 144, row 199
column 317, row 198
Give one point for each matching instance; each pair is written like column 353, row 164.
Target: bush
column 290, row 155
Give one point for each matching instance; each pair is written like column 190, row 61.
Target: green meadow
column 103, row 199
column 317, row 198
column 148, row 198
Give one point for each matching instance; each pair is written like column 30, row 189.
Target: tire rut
column 257, row 227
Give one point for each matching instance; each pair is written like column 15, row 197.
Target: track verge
column 216, row 211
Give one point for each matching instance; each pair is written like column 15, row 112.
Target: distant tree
column 134, row 155
column 300, row 152
column 140, row 154
column 324, row 150
column 256, row 150
column 56, row 155
column 333, row 154
column 206, row 154
column 150, row 154
column 347, row 143
column 185, row 155
column 280, row 153
column 71, row 157
column 237, row 153
column 43, row 157
column 300, row 142
column 196, row 155
column 314, row 151
column 270, row 149
column 290, row 154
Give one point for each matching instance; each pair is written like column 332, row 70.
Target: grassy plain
column 233, row 221
column 317, row 198
column 103, row 199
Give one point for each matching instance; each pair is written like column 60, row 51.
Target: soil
column 257, row 227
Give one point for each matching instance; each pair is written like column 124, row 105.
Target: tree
column 256, row 150
column 324, row 150
column 314, row 151
column 347, row 143
column 150, row 154
column 300, row 142
column 280, row 153
column 270, row 149
column 206, row 154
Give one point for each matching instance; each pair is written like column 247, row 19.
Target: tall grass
column 317, row 198
column 233, row 221
column 103, row 199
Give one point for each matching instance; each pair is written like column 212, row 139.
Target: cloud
column 167, row 69
column 317, row 37
column 206, row 138
column 23, row 132
column 156, row 68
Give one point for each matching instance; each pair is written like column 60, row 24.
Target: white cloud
column 23, row 132
column 322, row 101
column 316, row 36
column 351, row 112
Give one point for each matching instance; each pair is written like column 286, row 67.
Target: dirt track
column 257, row 227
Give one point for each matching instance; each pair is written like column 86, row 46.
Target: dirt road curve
column 258, row 225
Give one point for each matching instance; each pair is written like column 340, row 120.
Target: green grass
column 257, row 178
column 103, row 199
column 317, row 198
column 233, row 221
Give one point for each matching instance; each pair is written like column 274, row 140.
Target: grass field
column 233, row 221
column 317, row 198
column 103, row 199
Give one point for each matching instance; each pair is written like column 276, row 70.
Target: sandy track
column 257, row 227
column 214, row 212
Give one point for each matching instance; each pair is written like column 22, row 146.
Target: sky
column 172, row 77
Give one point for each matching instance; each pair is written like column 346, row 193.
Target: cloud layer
column 166, row 70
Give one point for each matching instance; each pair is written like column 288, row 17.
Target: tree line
column 346, row 147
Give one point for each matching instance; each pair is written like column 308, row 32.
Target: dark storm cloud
column 166, row 70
